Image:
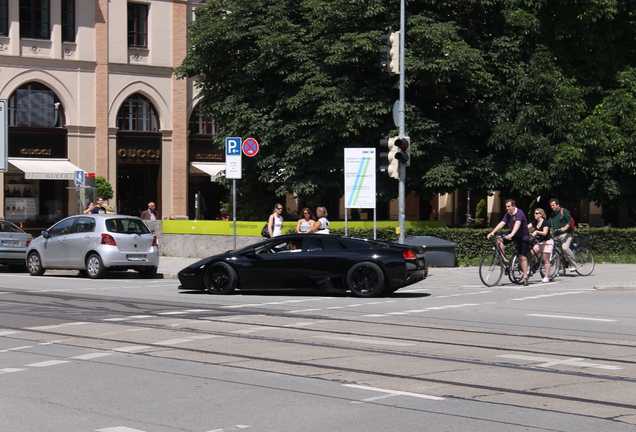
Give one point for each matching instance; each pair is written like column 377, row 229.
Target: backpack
column 572, row 222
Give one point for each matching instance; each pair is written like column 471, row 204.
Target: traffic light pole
column 401, row 124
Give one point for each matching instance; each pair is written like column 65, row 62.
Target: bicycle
column 583, row 257
column 535, row 263
column 495, row 263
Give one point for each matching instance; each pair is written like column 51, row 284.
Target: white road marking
column 304, row 310
column 131, row 348
column 172, row 313
column 17, row 348
column 229, row 428
column 48, row 363
column 549, row 362
column 201, row 337
column 254, row 330
column 572, row 317
column 118, row 429
column 394, row 392
column 8, row 332
column 55, row 326
column 548, row 295
column 300, row 324
column 91, row 356
column 10, row 370
column 172, row 342
column 363, row 340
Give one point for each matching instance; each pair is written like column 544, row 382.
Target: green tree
column 520, row 96
column 103, row 187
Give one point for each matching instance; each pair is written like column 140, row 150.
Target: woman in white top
column 322, row 226
column 306, row 222
column 275, row 222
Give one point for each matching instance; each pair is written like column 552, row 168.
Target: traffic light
column 404, row 151
column 392, row 52
column 392, row 169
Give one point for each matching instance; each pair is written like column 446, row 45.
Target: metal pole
column 234, row 208
column 401, row 121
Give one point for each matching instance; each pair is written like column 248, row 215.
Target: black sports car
column 366, row 268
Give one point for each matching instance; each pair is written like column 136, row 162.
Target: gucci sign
column 130, row 153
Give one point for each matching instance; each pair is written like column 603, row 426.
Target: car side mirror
column 46, row 234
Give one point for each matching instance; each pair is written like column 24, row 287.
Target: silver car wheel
column 94, row 267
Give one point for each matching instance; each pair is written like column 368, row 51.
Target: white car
column 13, row 246
column 94, row 244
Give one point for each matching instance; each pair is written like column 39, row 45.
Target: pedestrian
column 99, row 208
column 306, row 221
column 223, row 215
column 517, row 222
column 545, row 244
column 275, row 221
column 322, row 225
column 560, row 221
column 89, row 208
column 151, row 213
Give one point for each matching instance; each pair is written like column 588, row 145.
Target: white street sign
column 360, row 178
column 233, row 164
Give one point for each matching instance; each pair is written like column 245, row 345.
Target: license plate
column 136, row 257
column 10, row 243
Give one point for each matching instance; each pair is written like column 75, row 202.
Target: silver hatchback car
column 94, row 244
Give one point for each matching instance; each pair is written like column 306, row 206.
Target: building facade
column 89, row 86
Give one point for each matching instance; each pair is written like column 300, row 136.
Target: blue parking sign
column 233, row 164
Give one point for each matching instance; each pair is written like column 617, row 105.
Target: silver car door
column 79, row 241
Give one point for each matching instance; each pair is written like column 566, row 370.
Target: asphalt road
column 125, row 354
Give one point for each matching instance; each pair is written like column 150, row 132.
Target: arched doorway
column 36, row 190
column 138, row 156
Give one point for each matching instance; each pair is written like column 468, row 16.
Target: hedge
column 472, row 243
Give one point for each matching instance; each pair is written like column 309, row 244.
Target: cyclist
column 545, row 244
column 560, row 222
column 517, row 222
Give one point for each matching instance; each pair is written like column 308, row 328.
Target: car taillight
column 28, row 242
column 154, row 241
column 108, row 239
column 408, row 254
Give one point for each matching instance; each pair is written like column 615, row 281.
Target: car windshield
column 126, row 226
column 9, row 227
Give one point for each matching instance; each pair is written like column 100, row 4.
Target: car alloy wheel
column 365, row 279
column 220, row 278
column 94, row 267
column 34, row 264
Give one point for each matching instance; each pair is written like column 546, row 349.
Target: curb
column 616, row 286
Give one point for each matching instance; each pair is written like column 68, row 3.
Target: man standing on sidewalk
column 560, row 221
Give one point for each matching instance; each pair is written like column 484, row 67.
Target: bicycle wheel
column 491, row 269
column 555, row 265
column 584, row 261
column 515, row 273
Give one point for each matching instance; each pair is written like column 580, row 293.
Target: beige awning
column 45, row 169
column 211, row 168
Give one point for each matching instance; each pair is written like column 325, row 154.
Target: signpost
column 360, row 181
column 233, row 170
column 79, row 178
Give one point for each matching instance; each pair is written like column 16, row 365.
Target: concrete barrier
column 196, row 245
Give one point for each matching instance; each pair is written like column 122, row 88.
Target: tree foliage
column 528, row 97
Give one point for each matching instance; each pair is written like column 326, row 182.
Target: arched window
column 137, row 114
column 35, row 105
column 200, row 125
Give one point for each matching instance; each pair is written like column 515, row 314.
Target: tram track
column 75, row 308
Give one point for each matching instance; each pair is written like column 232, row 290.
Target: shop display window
column 20, row 200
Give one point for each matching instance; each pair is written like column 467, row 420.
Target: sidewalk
column 170, row 266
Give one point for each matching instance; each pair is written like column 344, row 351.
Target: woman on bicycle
column 545, row 243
